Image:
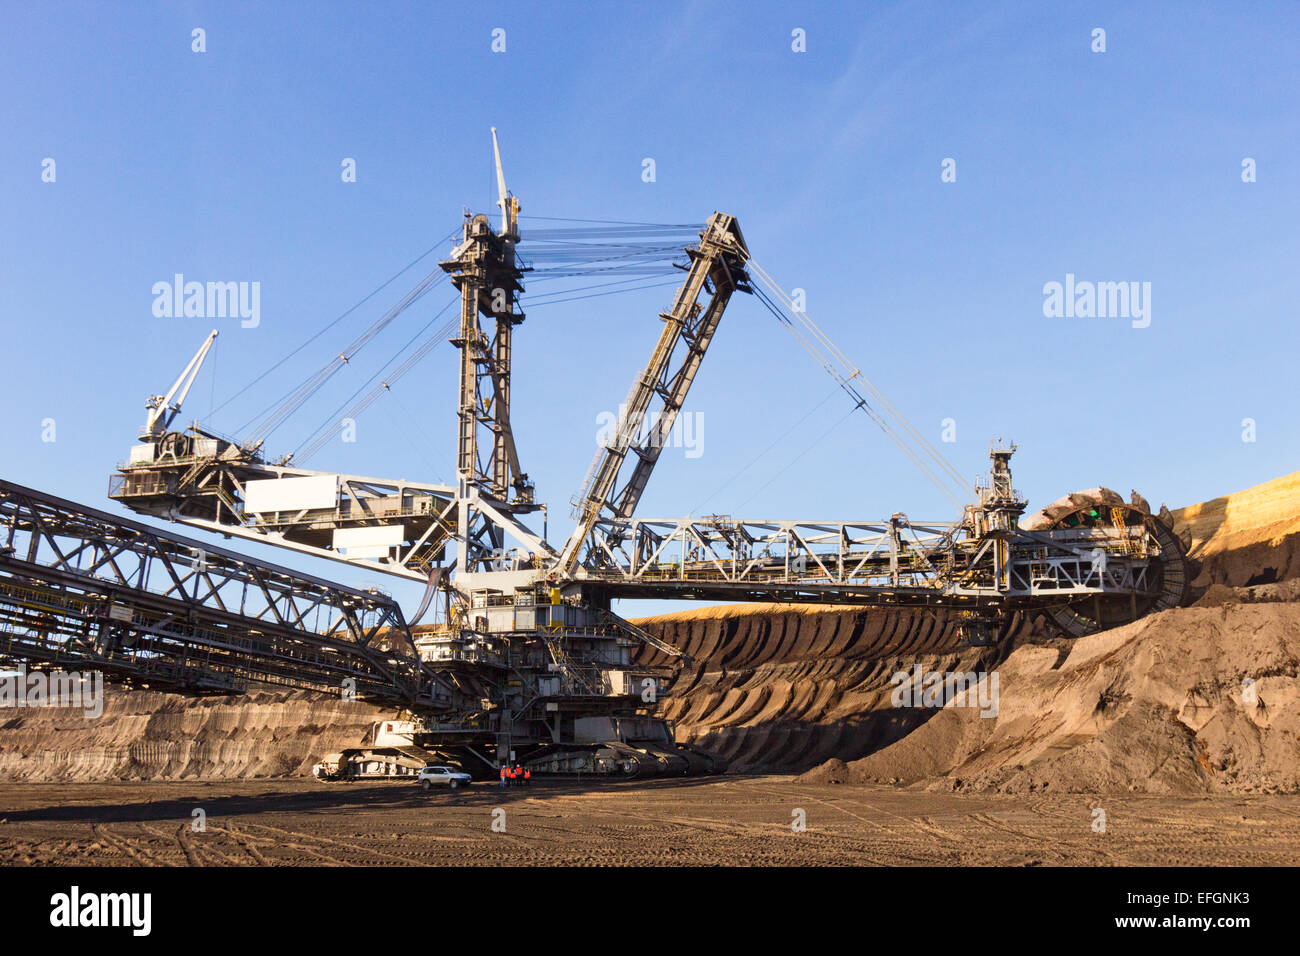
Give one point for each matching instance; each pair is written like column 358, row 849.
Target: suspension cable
column 314, row 336
column 295, row 399
column 945, row 478
column 333, row 423
column 920, row 439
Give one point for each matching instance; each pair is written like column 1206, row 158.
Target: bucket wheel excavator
column 532, row 624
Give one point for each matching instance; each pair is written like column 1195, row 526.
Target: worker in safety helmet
column 503, row 776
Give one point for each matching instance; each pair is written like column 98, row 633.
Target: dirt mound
column 1199, row 699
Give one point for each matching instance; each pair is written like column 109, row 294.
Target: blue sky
column 1117, row 166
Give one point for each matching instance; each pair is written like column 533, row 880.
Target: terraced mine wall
column 152, row 736
column 1248, row 538
column 782, row 688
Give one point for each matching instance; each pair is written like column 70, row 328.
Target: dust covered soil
column 1204, row 699
column 704, row 821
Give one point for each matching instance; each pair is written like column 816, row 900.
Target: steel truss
column 897, row 561
column 717, row 270
column 82, row 588
column 207, row 490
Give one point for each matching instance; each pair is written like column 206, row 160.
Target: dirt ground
column 708, row 821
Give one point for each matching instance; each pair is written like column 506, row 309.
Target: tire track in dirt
column 365, row 851
column 169, row 840
column 922, row 823
column 755, row 839
column 927, row 825
column 971, row 847
column 1044, row 843
column 187, row 846
column 209, row 854
column 870, row 851
column 243, row 841
column 122, row 845
column 305, row 848
column 678, row 839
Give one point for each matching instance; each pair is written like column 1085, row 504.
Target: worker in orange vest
column 528, row 777
column 503, row 776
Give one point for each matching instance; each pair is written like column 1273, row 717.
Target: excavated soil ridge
column 1201, row 699
column 779, row 688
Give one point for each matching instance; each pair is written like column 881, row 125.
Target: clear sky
column 1123, row 165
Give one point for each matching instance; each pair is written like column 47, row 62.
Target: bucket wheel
column 1103, row 508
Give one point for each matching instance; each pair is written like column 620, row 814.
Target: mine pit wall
column 774, row 688
column 144, row 735
column 1247, row 538
column 782, row 688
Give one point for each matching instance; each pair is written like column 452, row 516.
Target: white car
column 442, row 776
